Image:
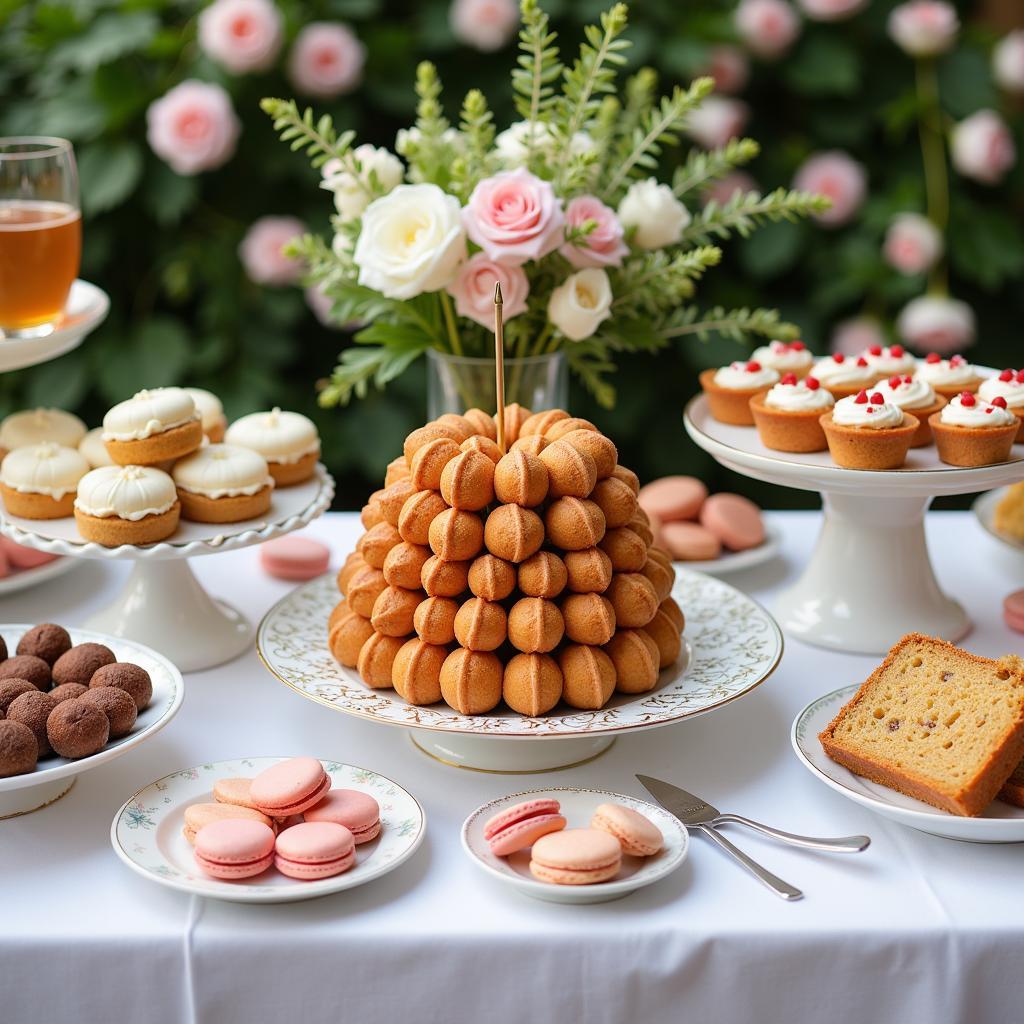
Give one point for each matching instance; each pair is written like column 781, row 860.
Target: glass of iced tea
column 40, row 233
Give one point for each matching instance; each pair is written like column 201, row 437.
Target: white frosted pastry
column 840, row 371
column 94, row 450
column 50, row 469
column 284, row 437
column 784, row 356
column 946, row 373
column 744, row 376
column 889, row 359
column 907, row 392
column 148, row 413
column 127, row 492
column 209, row 407
column 799, row 396
column 858, row 412
column 1008, row 384
column 222, row 471
column 34, row 426
column 968, row 411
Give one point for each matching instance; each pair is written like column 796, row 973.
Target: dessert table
column 915, row 928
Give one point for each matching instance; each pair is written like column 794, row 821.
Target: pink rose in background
column 717, row 120
column 473, row 290
column 260, row 250
column 851, row 337
column 982, row 147
column 193, row 127
column 767, row 28
column 326, row 60
column 936, row 323
column 837, row 175
column 831, row 10
column 604, row 246
column 729, row 67
column 241, row 35
column 1008, row 61
column 485, row 25
column 725, row 188
column 514, row 217
column 913, row 244
column 924, row 28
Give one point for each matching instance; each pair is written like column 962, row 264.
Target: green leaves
column 702, row 167
column 361, row 366
column 746, row 211
column 108, row 37
column 736, row 324
column 826, row 64
column 158, row 351
column 108, row 172
column 317, row 138
column 538, row 65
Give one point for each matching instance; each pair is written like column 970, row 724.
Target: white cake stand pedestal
column 870, row 578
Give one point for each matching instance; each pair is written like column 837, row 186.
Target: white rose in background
column 1008, row 61
column 935, row 323
column 377, row 168
column 193, row 127
column 261, row 250
column 241, row 35
column 411, row 242
column 485, row 25
column 729, row 67
column 913, row 244
column 580, row 303
column 725, row 188
column 831, row 10
column 407, row 139
column 512, row 145
column 717, row 120
column 924, row 28
column 851, row 337
column 326, row 60
column 658, row 217
column 768, row 28
column 982, row 147
column 837, row 175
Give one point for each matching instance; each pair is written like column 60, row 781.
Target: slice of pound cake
column 935, row 722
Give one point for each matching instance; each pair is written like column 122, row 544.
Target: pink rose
column 935, row 323
column 241, row 35
column 851, row 337
column 924, row 28
column 514, row 217
column 982, row 147
column 473, row 290
column 729, row 67
column 767, row 28
column 830, row 10
column 913, row 244
column 485, row 25
column 326, row 60
column 602, row 247
column 716, row 121
column 725, row 188
column 193, row 127
column 837, row 175
column 260, row 250
column 1008, row 62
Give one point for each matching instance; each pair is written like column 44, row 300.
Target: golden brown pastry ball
column 589, row 571
column 418, row 512
column 404, row 563
column 456, row 535
column 625, row 548
column 338, row 612
column 588, row 677
column 481, row 625
column 416, row 672
column 589, row 618
column 421, row 435
column 633, row 597
column 674, row 612
column 471, row 681
column 662, row 579
column 394, row 609
column 661, row 556
column 600, row 448
column 376, row 658
column 393, row 497
column 666, row 635
column 535, row 625
column 542, row 575
column 398, row 469
column 444, row 579
column 635, row 657
column 468, row 481
column 532, row 684
column 429, row 462
column 532, row 445
column 483, row 445
column 515, row 417
column 573, row 524
column 363, row 589
column 539, row 422
column 520, row 479
column 642, row 528
column 372, row 513
column 492, row 578
column 571, row 472
column 616, row 500
column 353, row 563
column 375, row 544
column 567, row 426
column 461, row 424
column 347, row 636
column 483, row 422
column 628, row 477
column 513, row 533
column 434, row 620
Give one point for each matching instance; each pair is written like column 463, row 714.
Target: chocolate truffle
column 481, row 625
column 521, row 479
column 483, row 445
column 47, row 641
column 635, row 657
column 590, row 571
column 117, row 705
column 444, row 579
column 471, row 681
column 376, row 659
column 434, row 620
column 589, row 618
column 662, row 630
column 542, row 575
column 421, row 435
column 393, row 497
column 570, row 471
column 79, row 664
column 77, row 729
column 540, row 422
column 573, row 524
column 429, row 462
column 31, row 669
column 535, row 625
column 483, row 422
column 375, row 544
column 418, row 512
column 492, row 578
column 404, row 563
column 67, row 691
column 32, row 709
column 558, row 430
column 616, row 500
column 600, row 448
column 363, row 589
column 532, row 684
column 393, row 611
column 456, row 535
column 347, row 636
column 588, row 677
column 513, row 533
column 416, row 672
column 634, row 599
column 11, row 688
column 625, row 548
column 125, row 676
column 468, row 481
column 18, row 749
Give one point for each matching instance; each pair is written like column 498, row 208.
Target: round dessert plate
column 578, row 805
column 985, row 509
column 737, row 561
column 22, row 579
column 1001, row 823
column 146, row 834
column 86, row 309
column 54, row 776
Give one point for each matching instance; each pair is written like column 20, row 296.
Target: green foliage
column 538, row 66
column 304, row 133
column 744, row 212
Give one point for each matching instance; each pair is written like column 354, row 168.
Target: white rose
column 377, row 169
column 412, row 241
column 579, row 304
column 1008, row 61
column 924, row 28
column 935, row 323
column 651, row 208
column 982, row 147
column 408, row 139
column 512, row 144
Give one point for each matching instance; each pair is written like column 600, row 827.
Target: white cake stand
column 163, row 605
column 870, row 579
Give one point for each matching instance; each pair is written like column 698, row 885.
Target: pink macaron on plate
column 736, row 561
column 577, row 806
column 320, row 859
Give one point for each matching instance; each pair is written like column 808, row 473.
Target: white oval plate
column 984, row 508
column 737, row 561
column 1002, row 823
column 22, row 579
column 578, row 805
column 146, row 834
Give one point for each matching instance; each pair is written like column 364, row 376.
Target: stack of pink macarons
column 572, row 856
column 288, row 816
column 695, row 526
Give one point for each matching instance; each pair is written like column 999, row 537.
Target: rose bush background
column 186, row 308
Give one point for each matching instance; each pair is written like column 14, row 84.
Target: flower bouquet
column 595, row 255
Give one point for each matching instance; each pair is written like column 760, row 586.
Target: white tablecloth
column 917, row 928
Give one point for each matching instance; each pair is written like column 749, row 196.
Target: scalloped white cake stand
column 163, row 605
column 870, row 579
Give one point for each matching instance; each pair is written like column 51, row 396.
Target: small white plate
column 22, row 579
column 984, row 508
column 737, row 561
column 578, row 806
column 146, row 834
column 1002, row 822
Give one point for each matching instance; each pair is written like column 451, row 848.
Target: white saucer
column 22, row 579
column 1002, row 822
column 146, row 834
column 984, row 508
column 737, row 561
column 578, row 806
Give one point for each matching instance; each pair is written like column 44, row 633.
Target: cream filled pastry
column 729, row 389
column 868, row 411
column 34, row 426
column 126, row 505
column 792, row 356
column 799, row 395
column 223, row 483
column 907, row 392
column 1008, row 384
column 844, row 376
column 970, row 431
column 973, row 411
column 864, row 431
column 92, row 448
column 152, row 427
column 39, row 481
column 746, row 376
column 287, row 440
column 788, row 416
column 948, row 376
column 211, row 413
column 887, row 360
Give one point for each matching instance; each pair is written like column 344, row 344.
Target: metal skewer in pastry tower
column 506, row 559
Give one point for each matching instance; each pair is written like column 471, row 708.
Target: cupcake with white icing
column 917, row 397
column 844, row 376
column 152, row 427
column 211, row 413
column 788, row 416
column 223, row 483
column 864, row 431
column 888, row 360
column 287, row 440
column 949, row 376
column 785, row 357
column 126, row 505
column 1009, row 385
column 92, row 448
column 38, row 481
column 730, row 388
column 971, row 431
column 36, row 426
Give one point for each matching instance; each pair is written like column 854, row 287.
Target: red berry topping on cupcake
column 839, row 358
column 875, row 350
column 1006, row 375
column 753, row 366
column 895, row 381
column 862, row 361
column 999, row 402
column 812, row 383
column 967, row 399
column 788, row 378
column 933, row 357
column 1019, row 378
column 877, row 398
column 896, row 351
column 862, row 398
column 797, row 346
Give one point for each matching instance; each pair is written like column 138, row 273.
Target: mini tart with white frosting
column 211, row 413
column 788, row 415
column 223, row 483
column 730, row 388
column 39, row 481
column 126, row 505
column 34, row 426
column 154, row 426
column 94, row 450
column 287, row 440
column 949, row 376
column 917, row 397
column 970, row 431
column 864, row 431
column 887, row 360
column 785, row 357
column 1008, row 384
column 844, row 375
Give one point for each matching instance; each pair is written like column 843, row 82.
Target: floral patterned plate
column 146, row 833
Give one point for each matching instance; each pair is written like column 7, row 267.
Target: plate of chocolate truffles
column 71, row 699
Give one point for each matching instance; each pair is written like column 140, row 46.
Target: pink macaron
column 290, row 787
column 1013, row 610
column 577, row 856
column 690, row 542
column 234, row 848
column 315, row 849
column 637, row 835
column 520, row 826
column 734, row 520
column 357, row 811
column 294, row 558
column 22, row 557
column 673, row 498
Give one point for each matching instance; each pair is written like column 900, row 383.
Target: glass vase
column 458, row 383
